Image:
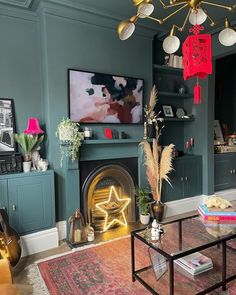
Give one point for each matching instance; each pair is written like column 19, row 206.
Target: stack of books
column 195, row 263
column 217, row 215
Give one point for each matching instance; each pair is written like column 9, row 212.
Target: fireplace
column 108, row 192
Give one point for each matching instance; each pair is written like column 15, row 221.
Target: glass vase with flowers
column 153, row 119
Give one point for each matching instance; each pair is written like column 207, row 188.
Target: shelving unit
column 167, row 69
column 174, row 94
column 179, row 119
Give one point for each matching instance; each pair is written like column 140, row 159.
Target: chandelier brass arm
column 213, row 23
column 171, row 5
column 230, row 8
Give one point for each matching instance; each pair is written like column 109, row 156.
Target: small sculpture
column 155, row 233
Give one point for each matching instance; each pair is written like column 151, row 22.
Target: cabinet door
column 224, row 164
column 175, row 191
column 31, row 203
column 192, row 177
column 3, row 194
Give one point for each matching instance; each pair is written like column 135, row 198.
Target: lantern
column 197, row 58
column 77, row 228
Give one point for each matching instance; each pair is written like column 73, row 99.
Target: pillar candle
column 77, row 235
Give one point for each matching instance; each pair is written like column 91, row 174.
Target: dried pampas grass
column 158, row 165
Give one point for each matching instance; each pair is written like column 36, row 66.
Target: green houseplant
column 70, row 139
column 28, row 143
column 143, row 201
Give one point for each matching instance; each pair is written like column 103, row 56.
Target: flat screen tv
column 104, row 98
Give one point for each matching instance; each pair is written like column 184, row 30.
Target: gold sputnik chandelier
column 196, row 14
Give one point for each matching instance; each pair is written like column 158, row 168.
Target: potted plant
column 28, row 143
column 70, row 139
column 143, row 202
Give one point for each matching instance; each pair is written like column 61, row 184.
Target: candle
column 90, row 236
column 77, row 235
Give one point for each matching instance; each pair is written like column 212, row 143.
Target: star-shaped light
column 113, row 202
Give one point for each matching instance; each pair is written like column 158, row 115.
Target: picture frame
column 167, row 111
column 104, row 98
column 7, row 126
column 218, row 135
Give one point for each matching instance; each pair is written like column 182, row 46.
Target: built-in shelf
column 175, row 95
column 168, row 70
column 179, row 119
column 112, row 141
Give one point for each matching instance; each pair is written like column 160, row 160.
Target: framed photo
column 7, row 126
column 218, row 135
column 104, row 98
column 167, row 111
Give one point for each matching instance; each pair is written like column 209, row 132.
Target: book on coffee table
column 195, row 263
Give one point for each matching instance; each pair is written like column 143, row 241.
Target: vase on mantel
column 158, row 209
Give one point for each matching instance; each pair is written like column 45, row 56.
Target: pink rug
column 106, row 269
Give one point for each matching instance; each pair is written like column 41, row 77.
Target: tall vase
column 151, row 131
column 158, row 210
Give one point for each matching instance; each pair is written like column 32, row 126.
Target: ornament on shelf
column 197, row 58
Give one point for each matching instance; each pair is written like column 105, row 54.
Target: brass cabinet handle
column 231, row 171
column 186, row 178
column 182, row 179
column 14, row 207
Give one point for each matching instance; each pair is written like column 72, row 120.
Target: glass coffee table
column 183, row 237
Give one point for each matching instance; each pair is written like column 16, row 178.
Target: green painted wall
column 20, row 64
column 36, row 51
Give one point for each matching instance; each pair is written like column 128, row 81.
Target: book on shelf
column 230, row 211
column 220, row 218
column 195, row 263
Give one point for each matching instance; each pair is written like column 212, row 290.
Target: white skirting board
column 48, row 239
column 39, row 241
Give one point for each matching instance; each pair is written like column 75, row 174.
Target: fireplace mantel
column 101, row 149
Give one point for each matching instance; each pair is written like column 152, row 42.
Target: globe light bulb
column 171, row 44
column 125, row 29
column 145, row 9
column 227, row 37
column 197, row 17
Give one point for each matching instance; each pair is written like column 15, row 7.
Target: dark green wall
column 36, row 51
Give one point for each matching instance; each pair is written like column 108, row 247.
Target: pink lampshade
column 33, row 127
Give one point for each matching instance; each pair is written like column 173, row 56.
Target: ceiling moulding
column 17, row 3
column 56, row 9
column 103, row 12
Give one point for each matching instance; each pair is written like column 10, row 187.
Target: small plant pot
column 145, row 219
column 27, row 166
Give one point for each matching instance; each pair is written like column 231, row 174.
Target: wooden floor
column 20, row 274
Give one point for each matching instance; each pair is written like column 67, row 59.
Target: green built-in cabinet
column 225, row 171
column 29, row 199
column 186, row 179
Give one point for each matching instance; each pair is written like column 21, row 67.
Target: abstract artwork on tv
column 104, row 98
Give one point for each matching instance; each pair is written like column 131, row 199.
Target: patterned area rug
column 106, row 269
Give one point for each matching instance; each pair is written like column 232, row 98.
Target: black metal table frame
column 171, row 258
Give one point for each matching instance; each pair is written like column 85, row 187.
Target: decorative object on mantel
column 158, row 165
column 70, row 139
column 30, row 142
column 153, row 120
